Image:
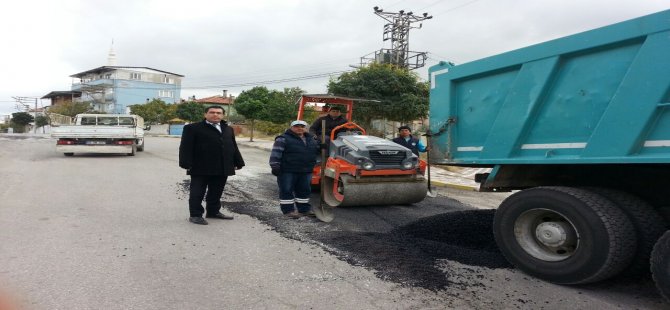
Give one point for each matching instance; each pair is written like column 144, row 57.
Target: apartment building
column 111, row 89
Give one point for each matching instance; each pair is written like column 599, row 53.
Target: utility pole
column 22, row 104
column 35, row 117
column 397, row 31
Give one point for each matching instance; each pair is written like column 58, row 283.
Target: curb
column 454, row 186
column 252, row 145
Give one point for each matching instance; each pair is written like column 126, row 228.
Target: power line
column 268, row 76
column 229, row 84
column 457, row 7
column 427, row 6
column 331, row 65
column 275, row 81
column 396, row 3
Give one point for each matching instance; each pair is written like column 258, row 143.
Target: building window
column 135, row 76
column 167, row 80
column 108, row 76
column 165, row 93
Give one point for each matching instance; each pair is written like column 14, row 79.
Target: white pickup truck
column 101, row 133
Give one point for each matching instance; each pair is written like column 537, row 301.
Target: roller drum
column 375, row 191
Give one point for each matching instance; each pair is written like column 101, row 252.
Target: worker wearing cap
column 292, row 160
column 333, row 119
column 406, row 139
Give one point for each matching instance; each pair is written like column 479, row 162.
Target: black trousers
column 213, row 185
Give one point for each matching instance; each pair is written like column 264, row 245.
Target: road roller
column 363, row 170
column 367, row 170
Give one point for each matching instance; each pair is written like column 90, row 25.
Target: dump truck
column 101, row 133
column 579, row 129
column 361, row 169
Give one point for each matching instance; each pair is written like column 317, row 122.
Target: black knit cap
column 404, row 127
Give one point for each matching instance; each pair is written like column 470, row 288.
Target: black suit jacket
column 205, row 151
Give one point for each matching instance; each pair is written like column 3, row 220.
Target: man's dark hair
column 335, row 107
column 404, row 127
column 215, row 107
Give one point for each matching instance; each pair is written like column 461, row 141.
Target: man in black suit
column 209, row 154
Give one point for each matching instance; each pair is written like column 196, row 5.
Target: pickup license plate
column 96, row 142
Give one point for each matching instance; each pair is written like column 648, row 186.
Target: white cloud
column 214, row 43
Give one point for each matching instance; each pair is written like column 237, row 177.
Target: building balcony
column 94, row 85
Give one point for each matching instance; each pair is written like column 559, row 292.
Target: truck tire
column 648, row 224
column 564, row 235
column 665, row 213
column 68, row 154
column 140, row 147
column 133, row 150
column 660, row 265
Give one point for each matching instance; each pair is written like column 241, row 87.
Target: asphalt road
column 110, row 232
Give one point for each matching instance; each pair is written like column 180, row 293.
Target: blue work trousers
column 294, row 191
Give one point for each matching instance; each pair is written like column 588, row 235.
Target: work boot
column 309, row 213
column 293, row 215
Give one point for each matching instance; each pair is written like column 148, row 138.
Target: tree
column 282, row 106
column 154, row 111
column 251, row 104
column 41, row 121
column 410, row 106
column 190, row 111
column 402, row 97
column 71, row 108
column 20, row 120
column 170, row 113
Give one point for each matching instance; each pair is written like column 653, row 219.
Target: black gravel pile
column 390, row 256
column 408, row 254
column 470, row 232
column 413, row 254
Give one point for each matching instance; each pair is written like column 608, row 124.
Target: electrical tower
column 23, row 103
column 397, row 30
column 22, row 106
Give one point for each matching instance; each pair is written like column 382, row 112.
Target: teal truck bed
column 581, row 126
column 596, row 97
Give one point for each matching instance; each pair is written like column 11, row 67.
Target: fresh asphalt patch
column 442, row 244
column 409, row 254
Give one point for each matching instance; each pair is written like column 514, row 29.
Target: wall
column 129, row 92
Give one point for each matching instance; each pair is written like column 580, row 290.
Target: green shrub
column 235, row 119
column 270, row 128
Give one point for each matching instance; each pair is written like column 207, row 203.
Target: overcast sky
column 218, row 44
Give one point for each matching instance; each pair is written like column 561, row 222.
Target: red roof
column 217, row 100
